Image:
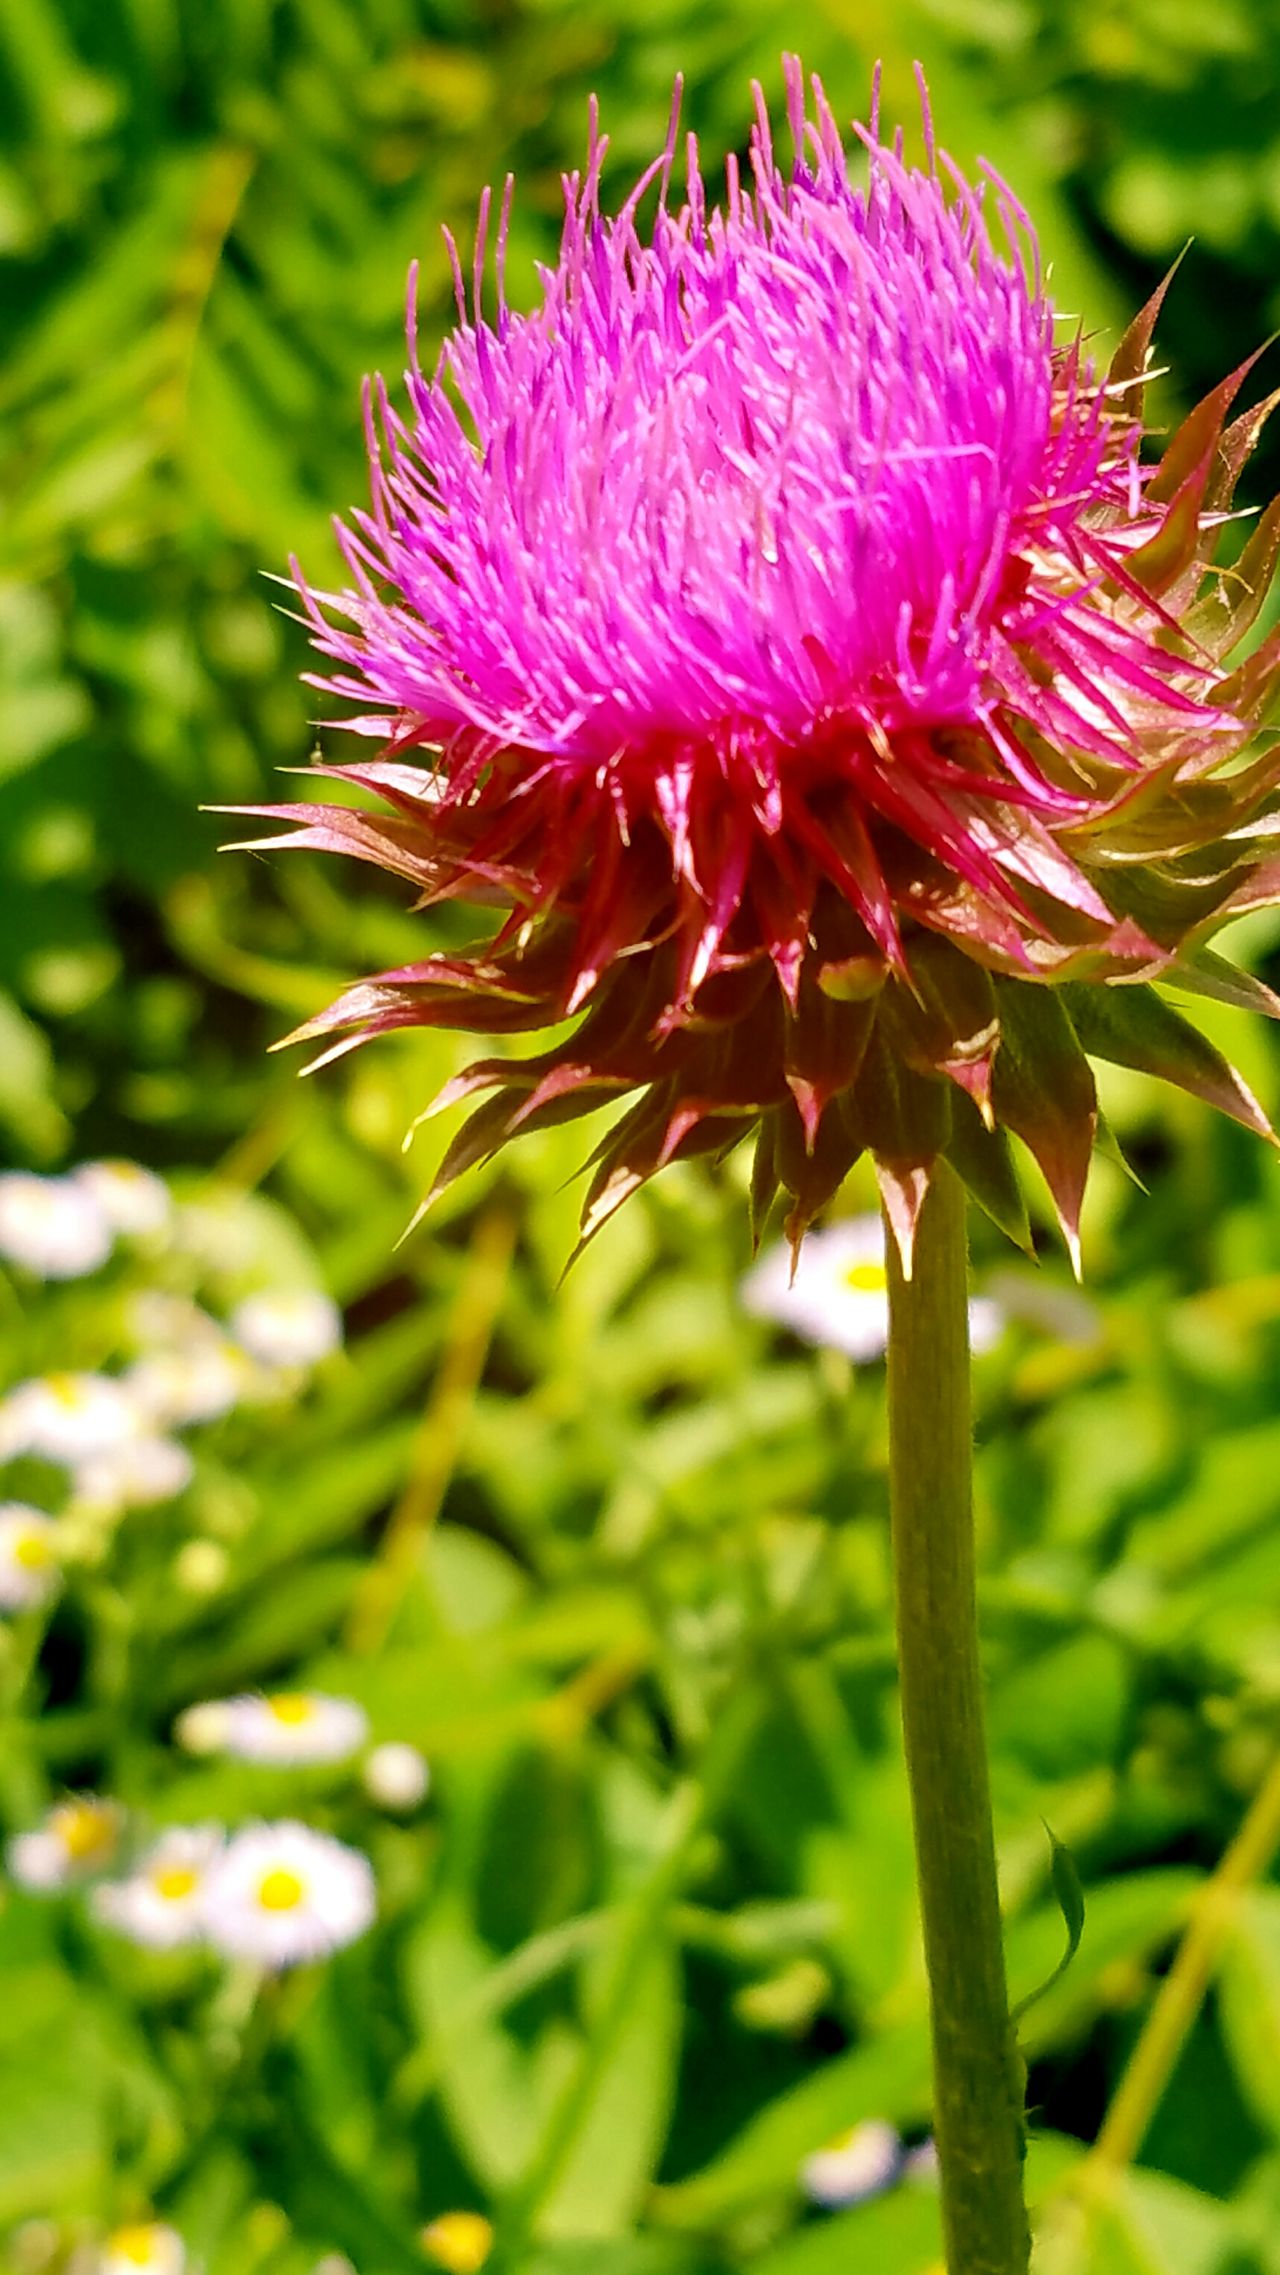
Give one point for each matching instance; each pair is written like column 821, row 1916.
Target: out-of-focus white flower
column 921, row 2163
column 151, row 2246
column 856, row 2165
column 77, row 1838
column 160, row 1320
column 283, row 1893
column 35, row 2246
column 52, row 1226
column 198, row 1383
column 202, row 1728
column 288, row 1727
column 334, row 2263
column 133, row 1200
column 396, row 1776
column 161, row 1903
column 460, row 2242
column 28, row 1557
column 136, row 1475
column 287, row 1327
column 839, row 1296
column 68, row 1417
column 222, row 1232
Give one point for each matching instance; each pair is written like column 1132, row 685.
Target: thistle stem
column 977, row 2081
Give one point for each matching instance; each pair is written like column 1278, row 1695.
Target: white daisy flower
column 858, row 2164
column 76, row 1839
column 53, row 1226
column 151, row 2246
column 283, row 1893
column 161, row 1904
column 28, row 1559
column 198, row 1382
column 288, row 1727
column 137, row 1475
column 288, row 1327
column 839, row 1296
column 133, row 1200
column 68, row 1417
column 396, row 1776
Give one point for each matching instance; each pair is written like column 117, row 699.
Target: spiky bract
column 781, row 627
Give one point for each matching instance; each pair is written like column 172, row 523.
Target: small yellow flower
column 460, row 2242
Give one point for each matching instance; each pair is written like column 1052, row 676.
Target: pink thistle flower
column 779, row 625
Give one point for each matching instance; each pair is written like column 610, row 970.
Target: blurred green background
column 652, row 1941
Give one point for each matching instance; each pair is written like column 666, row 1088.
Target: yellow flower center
column 292, row 1707
column 31, row 1551
column 134, row 2244
column 867, row 1279
column 65, row 1391
column 280, row 1890
column 85, row 1829
column 459, row 2241
column 173, row 1882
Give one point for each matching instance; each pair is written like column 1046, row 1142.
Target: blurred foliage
column 659, row 1920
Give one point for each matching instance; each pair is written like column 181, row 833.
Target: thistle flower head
column 779, row 624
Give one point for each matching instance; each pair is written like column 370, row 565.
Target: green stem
column 978, row 2122
column 1182, row 1992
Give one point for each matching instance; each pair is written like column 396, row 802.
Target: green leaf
column 607, row 2177
column 1070, row 1899
column 1202, row 971
column 887, row 2077
column 54, row 2139
column 329, row 2198
column 1249, row 2000
column 1044, row 1092
column 898, row 2234
column 28, row 1106
column 624, row 2255
column 291, row 1616
column 1130, row 1917
column 1134, row 1027
column 984, row 1161
column 1148, row 2225
column 494, row 2090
